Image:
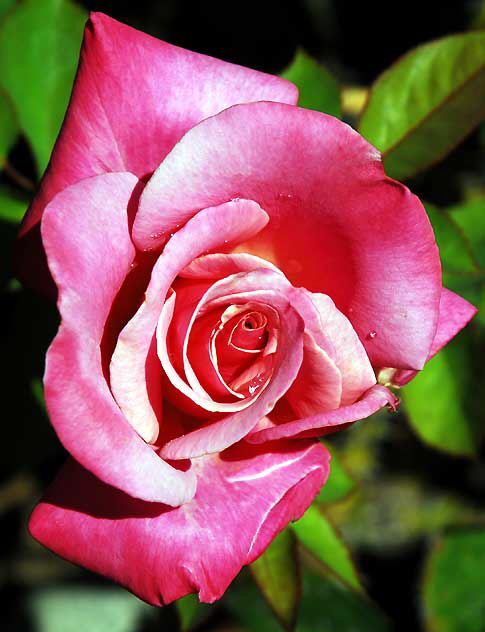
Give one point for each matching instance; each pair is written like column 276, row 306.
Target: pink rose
column 232, row 271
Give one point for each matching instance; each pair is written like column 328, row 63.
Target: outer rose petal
column 244, row 497
column 375, row 398
column 455, row 313
column 89, row 263
column 133, row 99
column 338, row 224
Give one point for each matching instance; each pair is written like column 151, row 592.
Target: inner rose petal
column 269, row 302
column 217, row 363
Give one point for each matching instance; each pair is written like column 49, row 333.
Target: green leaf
column 453, row 590
column 12, row 206
column 426, row 103
column 339, row 483
column 74, row 608
column 470, row 217
column 435, row 401
column 277, row 574
column 319, row 537
column 5, row 6
column 191, row 612
column 39, row 48
column 8, row 127
column 318, row 89
column 326, row 606
column 455, row 249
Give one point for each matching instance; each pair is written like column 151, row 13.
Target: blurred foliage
column 453, row 595
column 75, row 608
column 406, row 491
column 326, row 606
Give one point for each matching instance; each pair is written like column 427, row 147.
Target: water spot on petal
column 372, row 334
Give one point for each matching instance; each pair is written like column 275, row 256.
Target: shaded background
column 401, row 498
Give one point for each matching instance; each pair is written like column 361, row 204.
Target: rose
column 217, row 318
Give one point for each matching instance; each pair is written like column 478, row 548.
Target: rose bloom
column 232, row 273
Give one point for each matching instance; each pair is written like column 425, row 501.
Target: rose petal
column 244, row 497
column 350, row 356
column 218, row 266
column 223, row 433
column 318, row 385
column 455, row 313
column 230, row 222
column 317, row 425
column 133, row 99
column 89, row 263
column 338, row 224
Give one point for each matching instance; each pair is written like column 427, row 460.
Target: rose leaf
column 456, row 250
column 469, row 216
column 12, row 206
column 318, row 89
column 191, row 612
column 426, row 103
column 8, row 127
column 277, row 575
column 339, row 483
column 39, row 48
column 320, row 538
column 435, row 402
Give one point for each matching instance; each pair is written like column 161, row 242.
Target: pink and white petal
column 218, row 266
column 455, row 313
column 350, row 356
column 338, row 224
column 138, row 394
column 87, row 240
column 318, row 385
column 318, row 425
column 210, row 228
column 110, row 126
column 244, row 497
column 235, row 289
column 219, row 435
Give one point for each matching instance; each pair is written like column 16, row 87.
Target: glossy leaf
column 339, row 483
column 426, row 103
column 319, row 537
column 435, row 402
column 318, row 89
column 277, row 574
column 453, row 589
column 39, row 49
